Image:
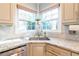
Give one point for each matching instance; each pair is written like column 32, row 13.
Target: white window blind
column 51, row 19
column 25, row 21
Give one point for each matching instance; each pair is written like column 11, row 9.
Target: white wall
column 5, row 32
column 44, row 5
column 31, row 5
column 41, row 5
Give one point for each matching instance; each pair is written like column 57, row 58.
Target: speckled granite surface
column 9, row 44
column 71, row 45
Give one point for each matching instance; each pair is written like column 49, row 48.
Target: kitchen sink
column 39, row 38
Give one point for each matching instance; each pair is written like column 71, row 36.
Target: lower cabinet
column 75, row 54
column 45, row 49
column 36, row 49
column 52, row 50
column 21, row 51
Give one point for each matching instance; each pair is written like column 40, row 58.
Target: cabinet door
column 5, row 12
column 68, row 12
column 37, row 49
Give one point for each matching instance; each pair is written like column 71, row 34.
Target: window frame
column 18, row 19
column 59, row 20
column 59, row 26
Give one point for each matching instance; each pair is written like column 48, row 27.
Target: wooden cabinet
column 75, row 54
column 20, row 51
column 36, row 49
column 5, row 10
column 7, row 13
column 45, row 49
column 57, row 51
column 70, row 12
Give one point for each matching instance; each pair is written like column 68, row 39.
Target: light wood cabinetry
column 45, row 49
column 70, row 12
column 57, row 51
column 5, row 10
column 36, row 49
column 75, row 54
column 7, row 13
column 21, row 51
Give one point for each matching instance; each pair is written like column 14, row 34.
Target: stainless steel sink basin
column 39, row 38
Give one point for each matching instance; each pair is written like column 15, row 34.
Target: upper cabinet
column 70, row 13
column 7, row 13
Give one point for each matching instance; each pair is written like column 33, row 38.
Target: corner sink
column 39, row 38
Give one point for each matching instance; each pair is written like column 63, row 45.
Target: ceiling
column 41, row 5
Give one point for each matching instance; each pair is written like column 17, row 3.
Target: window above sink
column 26, row 20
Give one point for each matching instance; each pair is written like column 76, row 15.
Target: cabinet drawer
column 58, row 50
column 75, row 54
column 50, row 54
column 37, row 44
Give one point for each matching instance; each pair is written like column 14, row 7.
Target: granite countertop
column 10, row 44
column 71, row 45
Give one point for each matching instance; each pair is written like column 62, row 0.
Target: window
column 46, row 25
column 25, row 21
column 51, row 20
column 30, row 25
